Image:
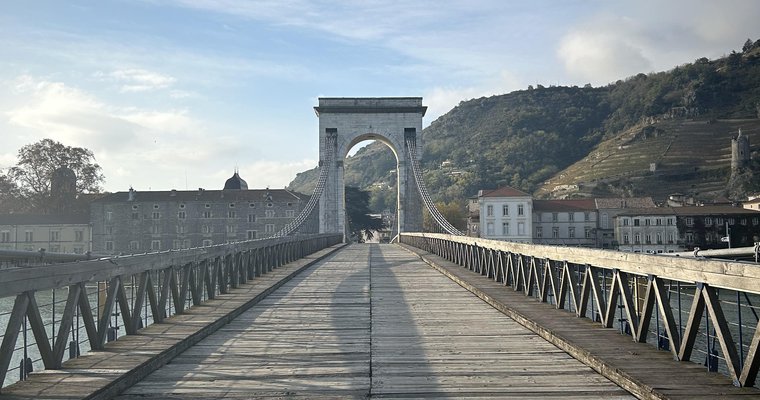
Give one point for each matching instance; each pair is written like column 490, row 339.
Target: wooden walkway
column 373, row 321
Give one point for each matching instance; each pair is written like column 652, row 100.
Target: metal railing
column 51, row 313
column 705, row 311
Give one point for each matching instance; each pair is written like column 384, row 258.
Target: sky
column 177, row 94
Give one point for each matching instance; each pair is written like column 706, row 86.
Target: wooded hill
column 586, row 141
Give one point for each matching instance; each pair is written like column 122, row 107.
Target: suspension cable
column 411, row 146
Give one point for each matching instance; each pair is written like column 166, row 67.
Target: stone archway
column 351, row 120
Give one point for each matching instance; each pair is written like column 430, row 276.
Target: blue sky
column 177, row 93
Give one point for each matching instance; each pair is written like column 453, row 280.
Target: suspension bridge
column 305, row 315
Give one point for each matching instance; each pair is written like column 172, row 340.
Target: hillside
column 599, row 139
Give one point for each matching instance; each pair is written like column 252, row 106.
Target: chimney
column 131, row 194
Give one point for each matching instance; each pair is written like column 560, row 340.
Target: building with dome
column 137, row 222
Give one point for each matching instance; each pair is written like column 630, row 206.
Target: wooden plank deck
column 373, row 321
column 640, row 368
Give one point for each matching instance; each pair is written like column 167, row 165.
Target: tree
column 453, row 212
column 36, row 163
column 10, row 196
column 360, row 223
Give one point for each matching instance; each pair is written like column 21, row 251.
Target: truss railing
column 411, row 145
column 324, row 169
column 51, row 313
column 705, row 311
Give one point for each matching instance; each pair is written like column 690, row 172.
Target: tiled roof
column 625, row 202
column 505, row 191
column 37, row 219
column 564, row 205
column 204, row 195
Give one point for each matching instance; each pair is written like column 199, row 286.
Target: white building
column 506, row 214
column 649, row 230
column 54, row 233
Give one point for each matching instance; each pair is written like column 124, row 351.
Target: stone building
column 608, row 209
column 740, row 152
column 54, row 233
column 138, row 222
column 648, row 230
column 565, row 222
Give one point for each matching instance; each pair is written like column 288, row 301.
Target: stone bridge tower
column 352, row 120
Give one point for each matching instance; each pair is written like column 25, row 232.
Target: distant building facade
column 53, row 233
column 506, row 214
column 565, row 222
column 138, row 222
column 648, row 230
column 608, row 209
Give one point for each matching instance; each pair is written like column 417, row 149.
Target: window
column 181, row 229
column 232, row 205
column 637, row 238
column 252, row 205
column 659, row 237
column 231, row 214
column 206, row 229
column 109, row 245
column 109, row 230
column 134, row 245
column 718, row 221
column 636, row 222
column 155, row 229
column 207, row 205
column 134, row 207
column 555, row 217
column 626, row 239
column 251, row 235
column 708, row 221
column 505, row 228
column 689, row 237
column 207, row 214
column 587, row 232
column 207, row 242
column 505, row 210
column 135, row 215
column 648, row 238
column 55, row 236
column 743, row 221
column 156, row 215
column 176, row 243
column 270, row 205
column 731, row 221
column 155, row 206
column 182, row 205
column 269, row 213
column 155, row 245
column 186, row 243
column 181, row 215
column 671, row 238
column 571, row 217
column 539, row 232
column 231, row 229
column 625, row 221
column 290, row 213
column 269, row 228
column 689, row 221
column 520, row 209
column 571, row 232
column 670, row 221
column 647, row 222
column 658, row 221
column 521, row 228
column 754, row 221
column 489, row 229
column 109, row 215
column 587, row 216
column 251, row 218
column 605, row 221
column 555, row 232
column 5, row 236
column 489, row 211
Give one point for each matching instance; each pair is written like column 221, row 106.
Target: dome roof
column 235, row 183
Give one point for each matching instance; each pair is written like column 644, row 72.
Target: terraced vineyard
column 690, row 156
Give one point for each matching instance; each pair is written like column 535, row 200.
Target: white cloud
column 138, row 79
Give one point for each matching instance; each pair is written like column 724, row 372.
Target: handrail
column 144, row 287
column 690, row 306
